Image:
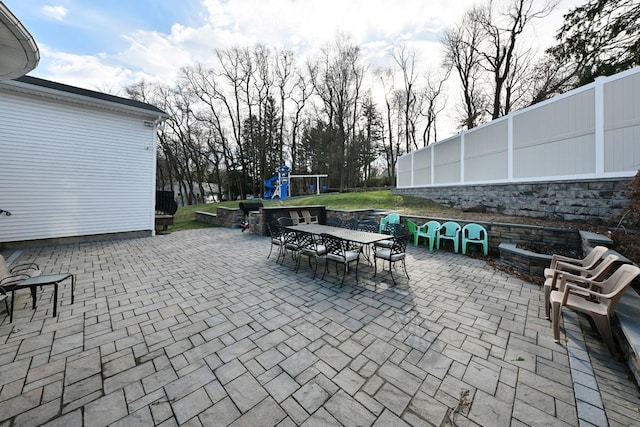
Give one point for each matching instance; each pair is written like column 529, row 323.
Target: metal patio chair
column 393, row 254
column 339, row 252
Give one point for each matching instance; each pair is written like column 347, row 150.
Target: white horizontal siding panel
column 572, row 157
column 67, row 170
column 447, row 162
column 404, row 171
column 422, row 167
column 622, row 149
column 621, row 99
column 568, row 117
column 485, row 153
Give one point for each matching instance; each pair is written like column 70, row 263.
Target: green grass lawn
column 384, row 200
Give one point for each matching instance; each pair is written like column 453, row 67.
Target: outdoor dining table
column 356, row 236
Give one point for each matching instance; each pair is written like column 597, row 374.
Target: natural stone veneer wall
column 590, row 201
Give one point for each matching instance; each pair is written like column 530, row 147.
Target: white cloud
column 55, row 12
column 303, row 26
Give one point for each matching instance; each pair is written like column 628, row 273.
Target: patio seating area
column 199, row 327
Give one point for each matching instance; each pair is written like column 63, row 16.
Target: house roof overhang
column 18, row 50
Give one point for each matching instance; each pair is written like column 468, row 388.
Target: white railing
column 588, row 133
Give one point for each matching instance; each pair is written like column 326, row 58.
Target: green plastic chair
column 392, row 218
column 428, row 231
column 450, row 230
column 475, row 234
column 411, row 229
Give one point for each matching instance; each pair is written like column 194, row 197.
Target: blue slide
column 271, row 186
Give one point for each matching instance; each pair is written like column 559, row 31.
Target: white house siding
column 70, row 169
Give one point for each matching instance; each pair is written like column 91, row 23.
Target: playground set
column 278, row 186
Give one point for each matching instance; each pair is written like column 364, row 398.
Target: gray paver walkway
column 200, row 328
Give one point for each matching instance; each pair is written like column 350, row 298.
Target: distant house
column 74, row 162
column 212, row 192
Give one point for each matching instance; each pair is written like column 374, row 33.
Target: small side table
column 46, row 279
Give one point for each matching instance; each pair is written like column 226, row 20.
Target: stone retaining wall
column 593, row 201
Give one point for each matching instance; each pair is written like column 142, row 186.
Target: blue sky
column 87, row 27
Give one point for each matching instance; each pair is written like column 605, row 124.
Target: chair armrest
column 567, row 266
column 9, row 282
column 23, row 267
column 555, row 258
column 579, row 290
column 567, row 279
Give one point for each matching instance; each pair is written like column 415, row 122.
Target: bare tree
column 486, row 49
column 461, row 54
column 432, row 105
column 405, row 58
column 503, row 57
column 337, row 76
column 390, row 147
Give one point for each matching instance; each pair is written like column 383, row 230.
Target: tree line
column 235, row 120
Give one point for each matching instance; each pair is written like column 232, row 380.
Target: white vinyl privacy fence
column 589, row 133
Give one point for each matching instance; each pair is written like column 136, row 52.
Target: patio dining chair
column 285, row 221
column 392, row 218
column 600, row 304
column 310, row 247
column 427, row 231
column 449, row 231
column 289, row 242
column 277, row 238
column 597, row 273
column 351, row 224
column 368, row 225
column 394, row 230
column 475, row 234
column 576, row 265
column 339, row 252
column 334, row 221
column 393, row 254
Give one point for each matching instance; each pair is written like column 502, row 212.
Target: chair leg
column 404, row 265
column 391, row 273
column 547, row 293
column 604, row 328
column 555, row 320
column 375, row 265
column 298, row 262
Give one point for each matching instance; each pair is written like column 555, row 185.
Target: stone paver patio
column 200, row 328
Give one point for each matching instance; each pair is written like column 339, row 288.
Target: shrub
column 631, row 214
